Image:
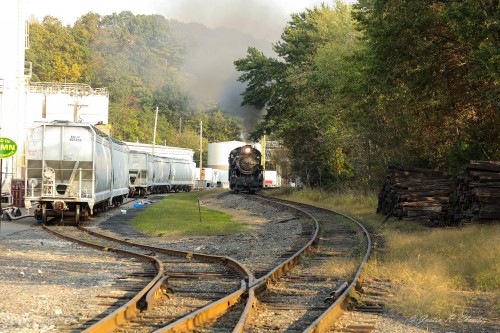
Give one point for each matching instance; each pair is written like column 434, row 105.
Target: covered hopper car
column 140, row 173
column 73, row 169
column 182, row 175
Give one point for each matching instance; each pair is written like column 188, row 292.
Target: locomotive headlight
column 248, row 150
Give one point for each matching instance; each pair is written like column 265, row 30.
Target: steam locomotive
column 245, row 169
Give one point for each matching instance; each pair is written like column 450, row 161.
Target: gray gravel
column 45, row 283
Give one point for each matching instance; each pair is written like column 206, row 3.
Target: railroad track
column 308, row 298
column 179, row 289
column 304, row 293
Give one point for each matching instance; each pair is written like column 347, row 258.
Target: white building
column 13, row 82
column 75, row 102
column 23, row 103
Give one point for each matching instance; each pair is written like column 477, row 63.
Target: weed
column 180, row 215
column 430, row 268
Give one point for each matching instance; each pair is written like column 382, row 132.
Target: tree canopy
column 350, row 90
column 138, row 59
column 354, row 90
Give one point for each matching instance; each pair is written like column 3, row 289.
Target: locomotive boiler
column 245, row 169
column 73, row 169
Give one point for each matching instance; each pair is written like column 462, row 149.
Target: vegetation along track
column 178, row 291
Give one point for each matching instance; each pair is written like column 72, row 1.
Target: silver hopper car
column 140, row 173
column 73, row 169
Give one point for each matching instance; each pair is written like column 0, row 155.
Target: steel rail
column 211, row 310
column 200, row 316
column 260, row 284
column 247, row 312
column 130, row 309
column 282, row 268
column 333, row 312
column 236, row 265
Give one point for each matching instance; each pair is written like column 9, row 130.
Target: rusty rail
column 333, row 312
column 209, row 311
column 130, row 309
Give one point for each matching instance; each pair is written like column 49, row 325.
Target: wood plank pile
column 477, row 196
column 416, row 194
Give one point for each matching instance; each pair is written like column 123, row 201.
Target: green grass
column 179, row 215
column 435, row 271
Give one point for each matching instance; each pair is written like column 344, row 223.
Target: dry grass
column 433, row 270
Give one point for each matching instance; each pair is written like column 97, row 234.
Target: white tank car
column 161, row 174
column 182, row 175
column 73, row 169
column 140, row 173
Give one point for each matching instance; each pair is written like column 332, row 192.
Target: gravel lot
column 45, row 282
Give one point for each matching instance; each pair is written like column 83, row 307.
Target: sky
column 263, row 19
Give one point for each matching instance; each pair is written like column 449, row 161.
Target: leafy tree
column 301, row 97
column 54, row 53
column 433, row 73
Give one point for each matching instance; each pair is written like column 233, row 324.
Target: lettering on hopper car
column 76, row 138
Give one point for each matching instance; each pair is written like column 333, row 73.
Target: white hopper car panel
column 69, row 169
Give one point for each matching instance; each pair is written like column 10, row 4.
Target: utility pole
column 154, row 132
column 201, row 153
column 76, row 106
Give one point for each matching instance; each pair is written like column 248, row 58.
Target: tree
column 302, row 99
column 54, row 53
column 432, row 73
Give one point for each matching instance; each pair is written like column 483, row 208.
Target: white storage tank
column 218, row 153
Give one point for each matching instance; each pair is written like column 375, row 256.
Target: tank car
column 73, row 169
column 140, row 173
column 182, row 175
column 245, row 169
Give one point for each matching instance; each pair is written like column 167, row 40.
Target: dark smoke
column 209, row 67
column 262, row 19
column 231, row 27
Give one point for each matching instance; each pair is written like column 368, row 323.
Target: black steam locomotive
column 245, row 169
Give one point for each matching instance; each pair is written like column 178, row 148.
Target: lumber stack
column 416, row 194
column 477, row 195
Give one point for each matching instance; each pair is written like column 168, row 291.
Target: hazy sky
column 261, row 18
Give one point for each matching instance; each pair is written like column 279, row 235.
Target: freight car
column 140, row 173
column 182, row 175
column 73, row 169
column 245, row 169
column 161, row 174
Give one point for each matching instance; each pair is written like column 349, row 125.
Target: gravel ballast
column 47, row 283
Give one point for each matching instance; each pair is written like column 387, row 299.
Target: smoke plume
column 231, row 27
